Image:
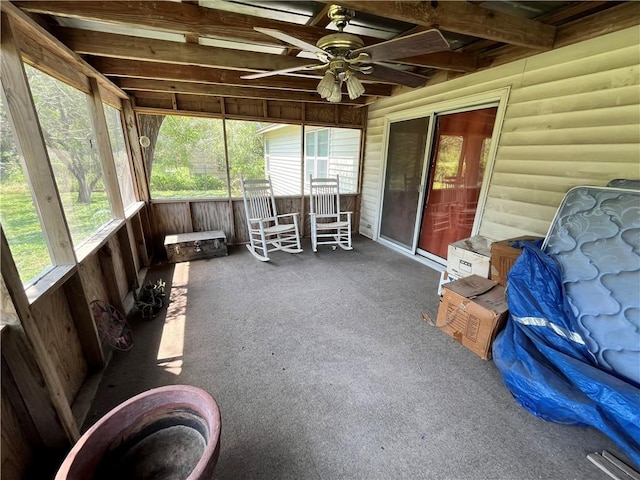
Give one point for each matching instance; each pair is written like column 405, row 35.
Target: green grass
column 24, row 233
column 182, row 194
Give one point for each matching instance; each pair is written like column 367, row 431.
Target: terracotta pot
column 170, row 432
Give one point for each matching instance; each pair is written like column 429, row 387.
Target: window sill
column 132, row 209
column 48, row 282
column 98, row 239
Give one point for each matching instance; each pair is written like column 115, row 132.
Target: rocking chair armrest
column 295, row 214
column 260, row 219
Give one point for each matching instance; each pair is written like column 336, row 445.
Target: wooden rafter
column 464, row 18
column 137, row 48
column 610, row 20
column 137, row 84
column 113, row 67
column 180, row 18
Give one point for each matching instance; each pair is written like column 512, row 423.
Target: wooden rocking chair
column 266, row 227
column 329, row 225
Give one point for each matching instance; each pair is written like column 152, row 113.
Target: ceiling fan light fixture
column 336, row 94
column 326, row 85
column 354, row 86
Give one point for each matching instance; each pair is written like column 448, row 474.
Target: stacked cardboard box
column 470, row 256
column 503, row 255
column 473, row 310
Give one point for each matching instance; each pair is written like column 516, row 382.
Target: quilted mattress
column 595, row 237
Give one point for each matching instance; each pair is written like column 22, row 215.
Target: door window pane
column 120, row 154
column 63, row 113
column 456, row 173
column 20, row 221
column 323, row 143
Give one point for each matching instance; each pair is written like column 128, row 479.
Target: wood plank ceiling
column 203, row 49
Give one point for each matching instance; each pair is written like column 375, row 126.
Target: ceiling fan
column 343, row 55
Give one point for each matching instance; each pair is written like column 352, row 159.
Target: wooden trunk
column 185, row 247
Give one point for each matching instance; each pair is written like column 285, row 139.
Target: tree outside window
column 64, row 116
column 18, row 215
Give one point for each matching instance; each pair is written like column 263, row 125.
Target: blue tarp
column 546, row 365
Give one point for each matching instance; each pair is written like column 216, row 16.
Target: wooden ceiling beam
column 113, row 67
column 465, row 18
column 455, row 61
column 556, row 17
column 182, row 18
column 128, row 47
column 613, row 19
column 137, row 84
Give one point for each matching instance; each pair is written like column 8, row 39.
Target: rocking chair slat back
column 259, row 199
column 266, row 232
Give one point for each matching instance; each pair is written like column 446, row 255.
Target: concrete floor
column 323, row 368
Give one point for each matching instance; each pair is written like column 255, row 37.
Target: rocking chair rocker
column 329, row 225
column 265, row 225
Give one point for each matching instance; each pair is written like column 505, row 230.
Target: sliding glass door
column 434, row 172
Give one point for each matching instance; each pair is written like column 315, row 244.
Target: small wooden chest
column 185, row 247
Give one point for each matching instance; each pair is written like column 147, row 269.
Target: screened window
column 246, row 151
column 64, row 116
column 20, row 221
column 187, row 159
column 120, row 154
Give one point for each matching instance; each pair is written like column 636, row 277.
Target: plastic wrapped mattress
column 571, row 350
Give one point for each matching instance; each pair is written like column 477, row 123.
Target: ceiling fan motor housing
column 340, row 44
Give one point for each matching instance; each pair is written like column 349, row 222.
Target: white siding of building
column 284, row 164
column 572, row 118
column 284, row 159
column 344, row 148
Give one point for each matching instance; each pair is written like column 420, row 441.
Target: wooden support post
column 84, row 322
column 23, row 379
column 232, row 219
column 40, row 352
column 133, row 247
column 139, row 167
column 302, row 194
column 138, row 234
column 128, row 258
column 109, row 173
column 105, row 258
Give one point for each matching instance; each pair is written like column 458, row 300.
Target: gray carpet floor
column 323, row 368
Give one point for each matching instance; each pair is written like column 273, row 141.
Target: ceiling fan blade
column 388, row 74
column 296, row 42
column 253, row 76
column 420, row 43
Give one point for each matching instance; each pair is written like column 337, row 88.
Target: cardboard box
column 445, row 277
column 471, row 256
column 503, row 256
column 472, row 311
